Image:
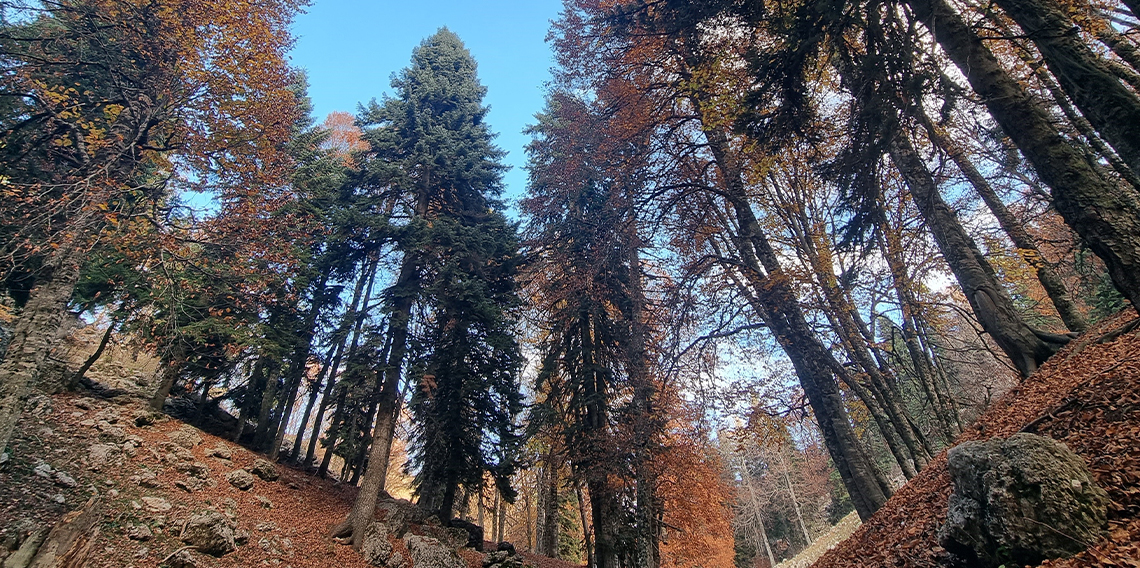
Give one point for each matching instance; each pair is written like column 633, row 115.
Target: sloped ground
column 1087, row 396
column 150, row 478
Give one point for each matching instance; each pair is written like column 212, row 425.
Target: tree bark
column 990, row 302
column 813, row 363
column 364, row 507
column 34, row 333
column 1107, row 104
column 1026, row 244
column 1105, row 215
column 86, row 366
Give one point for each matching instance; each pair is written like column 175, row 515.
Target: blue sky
column 350, row 48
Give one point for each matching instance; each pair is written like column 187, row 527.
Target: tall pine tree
column 430, row 147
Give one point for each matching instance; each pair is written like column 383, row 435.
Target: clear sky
column 351, row 48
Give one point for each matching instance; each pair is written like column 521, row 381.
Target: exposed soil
column 1087, row 396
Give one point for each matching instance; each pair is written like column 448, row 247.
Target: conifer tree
column 430, row 149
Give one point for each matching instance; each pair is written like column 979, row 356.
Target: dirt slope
column 158, row 476
column 1087, row 396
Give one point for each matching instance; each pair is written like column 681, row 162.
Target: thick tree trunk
column 1107, row 104
column 990, row 302
column 268, row 396
column 1026, row 244
column 813, row 363
column 375, row 475
column 34, row 333
column 1105, row 215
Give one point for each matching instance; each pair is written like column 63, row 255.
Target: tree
column 430, row 149
column 99, row 95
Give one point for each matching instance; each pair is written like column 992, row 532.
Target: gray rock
column 182, row 559
column 265, row 470
column 1020, row 501
column 427, row 552
column 146, row 479
column 220, row 451
column 186, row 436
column 210, row 532
column 194, row 469
column 157, row 504
column 241, row 537
column 496, row 557
column 376, row 549
column 140, row 533
column 264, row 502
column 62, row 478
column 453, row 538
column 240, row 478
column 101, row 456
column 397, row 561
column 43, row 470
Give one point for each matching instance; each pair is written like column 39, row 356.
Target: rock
column 397, row 561
column 265, row 470
column 451, row 537
column 59, row 498
column 210, row 532
column 240, row 478
column 109, row 415
column 265, row 527
column 427, row 552
column 507, row 547
column 496, row 557
column 157, row 504
column 181, row 559
column 146, row 479
column 111, row 434
column 140, row 533
column 100, row 456
column 194, row 469
column 144, row 418
column 241, row 537
column 1020, row 501
column 474, row 533
column 186, row 436
column 190, row 484
column 220, row 451
column 43, row 470
column 264, row 502
column 376, row 549
column 62, row 478
column 84, row 403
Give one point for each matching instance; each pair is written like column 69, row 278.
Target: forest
column 772, row 258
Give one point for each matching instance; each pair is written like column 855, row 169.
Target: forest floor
column 1087, row 396
column 149, row 478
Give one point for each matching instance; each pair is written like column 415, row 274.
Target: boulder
column 210, row 532
column 265, row 470
column 186, row 436
column 376, row 549
column 140, row 533
column 240, row 478
column 1020, row 501
column 474, row 533
column 220, row 451
column 100, row 456
column 427, row 552
column 451, row 537
column 506, row 547
column 157, row 504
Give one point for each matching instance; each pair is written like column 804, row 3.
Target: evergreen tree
column 431, row 150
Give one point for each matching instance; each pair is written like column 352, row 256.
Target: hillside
column 149, row 477
column 1087, row 396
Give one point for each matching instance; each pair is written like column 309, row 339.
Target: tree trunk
column 990, row 302
column 267, row 399
column 547, row 525
column 586, row 537
column 34, row 333
column 376, row 474
column 1026, row 245
column 1105, row 215
column 1107, row 104
column 74, row 381
column 781, row 312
